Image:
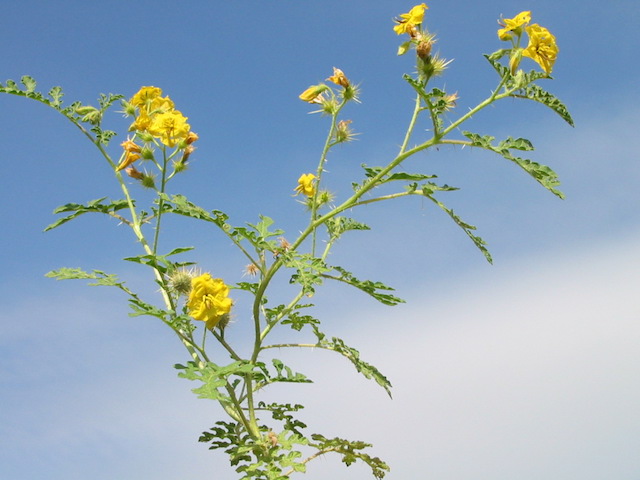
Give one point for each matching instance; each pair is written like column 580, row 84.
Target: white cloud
column 528, row 370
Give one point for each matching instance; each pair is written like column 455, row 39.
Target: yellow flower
column 161, row 105
column 141, row 123
column 408, row 21
column 209, row 299
column 513, row 25
column 339, row 78
column 305, row 185
column 542, row 47
column 145, row 95
column 169, row 127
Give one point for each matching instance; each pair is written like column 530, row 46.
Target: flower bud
column 89, row 114
column 148, row 181
column 423, row 49
column 180, row 281
column 514, row 60
column 147, row 153
column 313, row 92
column 129, row 158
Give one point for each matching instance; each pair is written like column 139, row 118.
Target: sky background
column 525, row 369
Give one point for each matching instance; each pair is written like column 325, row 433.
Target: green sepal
column 96, row 206
column 404, row 48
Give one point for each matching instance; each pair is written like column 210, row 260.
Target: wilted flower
column 542, row 47
column 131, row 146
column 306, row 185
column 343, row 131
column 339, row 78
column 191, row 137
column 251, row 270
column 209, row 299
column 133, row 172
column 450, row 101
column 129, row 158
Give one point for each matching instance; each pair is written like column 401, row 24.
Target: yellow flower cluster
column 157, row 116
column 209, row 299
column 542, row 47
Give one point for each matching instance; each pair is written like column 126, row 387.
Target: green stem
column 412, row 124
column 163, row 184
column 320, row 169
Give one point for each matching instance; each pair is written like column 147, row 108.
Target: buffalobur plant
column 267, row 440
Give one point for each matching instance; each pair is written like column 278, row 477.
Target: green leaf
column 371, row 288
column 527, row 89
column 534, row 92
column 350, row 451
column 351, row 354
column 160, row 262
column 179, row 204
column 95, row 206
column 298, row 321
column 466, row 227
column 56, row 97
column 29, row 83
column 142, row 308
column 213, row 377
column 543, row 174
column 339, row 225
column 101, row 278
column 309, row 270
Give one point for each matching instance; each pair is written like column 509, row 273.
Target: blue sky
column 525, row 369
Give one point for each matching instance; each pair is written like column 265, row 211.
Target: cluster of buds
column 542, row 47
column 429, row 65
column 158, row 123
